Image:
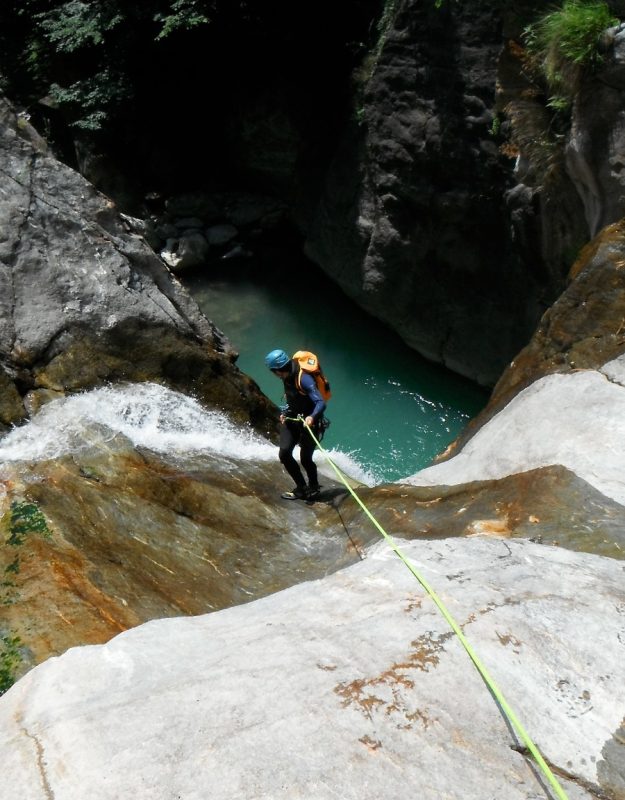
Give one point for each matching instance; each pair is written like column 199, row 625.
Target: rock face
column 551, row 505
column 584, row 329
column 412, row 224
column 352, row 686
column 428, row 222
column 405, row 183
column 351, row 683
column 595, row 155
column 83, row 300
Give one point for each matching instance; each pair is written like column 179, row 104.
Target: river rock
column 189, row 250
column 584, row 328
column 221, row 234
column 98, row 534
column 351, row 686
column 550, row 505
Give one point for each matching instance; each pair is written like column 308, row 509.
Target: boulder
column 84, row 300
column 189, row 250
column 572, row 420
column 221, row 234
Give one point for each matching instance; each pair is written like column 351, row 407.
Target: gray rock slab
column 615, row 370
column 352, row 686
column 575, row 420
column 67, row 258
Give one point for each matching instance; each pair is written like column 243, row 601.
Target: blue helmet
column 277, row 359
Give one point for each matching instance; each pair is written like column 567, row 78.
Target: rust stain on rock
column 371, row 744
column 489, row 527
column 508, row 639
column 362, row 693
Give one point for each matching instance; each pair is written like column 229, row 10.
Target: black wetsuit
column 312, row 405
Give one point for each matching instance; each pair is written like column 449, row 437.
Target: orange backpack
column 308, row 362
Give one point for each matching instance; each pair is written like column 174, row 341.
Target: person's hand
column 309, row 421
column 282, row 418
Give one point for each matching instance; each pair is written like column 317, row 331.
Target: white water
column 151, row 417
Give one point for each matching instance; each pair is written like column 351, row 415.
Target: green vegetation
column 365, row 70
column 565, row 42
column 560, row 47
column 141, row 96
column 75, row 24
column 384, row 24
column 24, row 518
column 10, row 659
column 184, row 15
column 495, row 127
column 80, row 55
column 21, row 519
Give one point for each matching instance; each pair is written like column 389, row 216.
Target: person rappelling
column 306, row 391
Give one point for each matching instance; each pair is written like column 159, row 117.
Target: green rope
column 454, row 626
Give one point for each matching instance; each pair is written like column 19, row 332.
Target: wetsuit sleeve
column 310, row 387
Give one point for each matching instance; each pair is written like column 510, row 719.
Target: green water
column 391, row 410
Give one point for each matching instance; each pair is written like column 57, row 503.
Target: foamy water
column 151, row 417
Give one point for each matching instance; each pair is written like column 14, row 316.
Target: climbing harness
column 488, row 680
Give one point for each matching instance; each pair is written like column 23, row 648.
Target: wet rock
column 108, row 537
column 595, row 155
column 584, row 329
column 11, row 405
column 35, row 399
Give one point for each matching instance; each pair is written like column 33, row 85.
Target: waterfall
column 150, row 416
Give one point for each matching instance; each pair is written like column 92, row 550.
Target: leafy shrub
column 75, row 24
column 81, row 55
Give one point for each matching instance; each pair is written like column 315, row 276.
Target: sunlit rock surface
column 575, row 420
column 352, row 686
column 583, row 330
column 132, row 503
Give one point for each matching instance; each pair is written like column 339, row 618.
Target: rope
column 560, row 793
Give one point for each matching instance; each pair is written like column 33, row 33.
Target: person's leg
column 288, row 439
column 306, row 451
